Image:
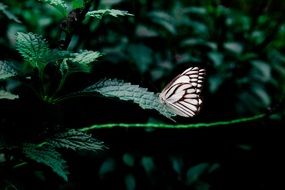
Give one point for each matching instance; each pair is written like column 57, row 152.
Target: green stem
column 171, row 126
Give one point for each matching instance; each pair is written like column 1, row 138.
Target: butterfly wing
column 182, row 94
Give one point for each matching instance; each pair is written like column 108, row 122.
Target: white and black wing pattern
column 182, row 94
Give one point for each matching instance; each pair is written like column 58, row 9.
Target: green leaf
column 77, row 4
column 6, row 70
column 34, row 49
column 103, row 12
column 129, row 160
column 126, row 91
column 7, row 95
column 148, row 164
column 11, row 16
column 130, row 182
column 165, row 20
column 81, row 62
column 60, row 5
column 234, row 47
column 75, row 140
column 194, row 173
column 195, row 10
column 106, row 167
column 261, row 70
column 49, row 156
column 141, row 55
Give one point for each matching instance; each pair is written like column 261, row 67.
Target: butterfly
column 182, row 95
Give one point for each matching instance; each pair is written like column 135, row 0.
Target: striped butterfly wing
column 182, row 94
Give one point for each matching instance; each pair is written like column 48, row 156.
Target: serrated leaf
column 7, row 95
column 126, row 91
column 6, row 70
column 60, row 5
column 33, row 48
column 36, row 52
column 75, row 140
column 81, row 62
column 49, row 156
column 103, row 12
column 11, row 16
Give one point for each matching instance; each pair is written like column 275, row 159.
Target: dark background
column 239, row 43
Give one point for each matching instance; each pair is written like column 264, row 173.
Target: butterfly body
column 182, row 94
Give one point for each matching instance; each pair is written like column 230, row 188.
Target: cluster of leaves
column 38, row 57
column 241, row 51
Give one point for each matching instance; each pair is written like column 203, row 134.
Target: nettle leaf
column 11, row 16
column 6, row 70
column 7, row 95
column 33, row 48
column 103, row 12
column 81, row 62
column 60, row 5
column 75, row 140
column 127, row 91
column 36, row 52
column 47, row 155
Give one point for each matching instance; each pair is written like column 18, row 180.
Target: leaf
column 148, row 164
column 130, row 182
column 127, row 91
column 11, row 16
column 48, row 156
column 75, row 140
column 128, row 159
column 103, row 12
column 34, row 49
column 195, row 10
column 77, row 4
column 80, row 62
column 194, row 173
column 60, row 5
column 234, row 47
column 6, row 70
column 7, row 95
column 261, row 70
column 165, row 20
column 106, row 167
column 141, row 55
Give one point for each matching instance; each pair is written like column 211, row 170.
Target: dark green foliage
column 51, row 50
column 127, row 91
column 75, row 140
column 6, row 70
column 47, row 155
column 10, row 15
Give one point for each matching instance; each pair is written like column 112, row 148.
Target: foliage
column 52, row 49
column 112, row 12
column 6, row 70
column 48, row 156
column 127, row 91
column 60, row 5
column 10, row 15
column 7, row 95
column 75, row 140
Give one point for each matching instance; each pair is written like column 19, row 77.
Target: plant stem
column 173, row 126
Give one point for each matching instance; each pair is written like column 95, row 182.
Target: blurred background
column 241, row 45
